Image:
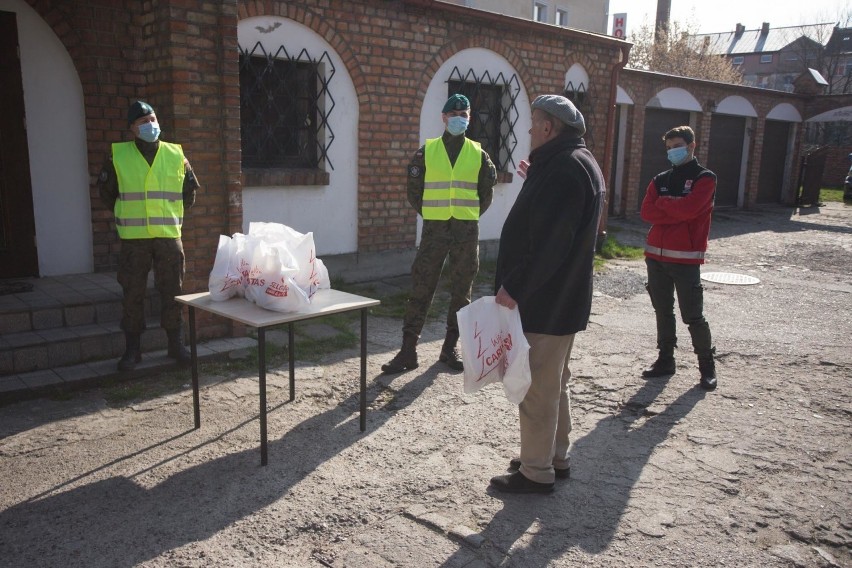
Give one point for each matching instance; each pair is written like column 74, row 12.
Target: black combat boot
column 132, row 351
column 707, row 367
column 663, row 366
column 450, row 353
column 406, row 358
column 177, row 350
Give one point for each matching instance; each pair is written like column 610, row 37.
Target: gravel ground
column 756, row 473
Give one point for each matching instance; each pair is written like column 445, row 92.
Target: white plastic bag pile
column 273, row 266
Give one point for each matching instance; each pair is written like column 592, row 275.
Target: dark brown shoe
column 561, row 473
column 518, row 483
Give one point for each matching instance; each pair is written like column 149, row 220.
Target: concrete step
column 23, row 386
column 39, row 311
column 27, row 351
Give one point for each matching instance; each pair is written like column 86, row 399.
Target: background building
column 771, row 58
column 588, row 15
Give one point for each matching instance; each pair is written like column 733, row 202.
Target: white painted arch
column 329, row 212
column 737, row 106
column 576, row 76
column 675, row 98
column 431, row 126
column 784, row 112
column 56, row 141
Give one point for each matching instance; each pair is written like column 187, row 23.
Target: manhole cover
column 729, row 278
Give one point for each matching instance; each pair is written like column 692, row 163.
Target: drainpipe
column 610, row 134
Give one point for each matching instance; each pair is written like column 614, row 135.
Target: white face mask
column 149, row 131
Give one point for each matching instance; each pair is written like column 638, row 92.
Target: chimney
column 764, row 29
column 740, row 30
column 664, row 13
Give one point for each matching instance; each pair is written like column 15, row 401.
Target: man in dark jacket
column 544, row 269
column 679, row 204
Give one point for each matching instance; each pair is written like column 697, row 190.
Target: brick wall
column 642, row 86
column 392, row 50
column 181, row 56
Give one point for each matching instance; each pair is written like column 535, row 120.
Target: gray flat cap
column 562, row 109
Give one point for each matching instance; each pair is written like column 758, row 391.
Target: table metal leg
column 261, row 367
column 363, row 370
column 291, row 351
column 193, row 349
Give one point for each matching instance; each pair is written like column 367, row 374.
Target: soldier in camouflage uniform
column 147, row 183
column 450, row 183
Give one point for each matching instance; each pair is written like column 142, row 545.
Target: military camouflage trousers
column 462, row 265
column 137, row 258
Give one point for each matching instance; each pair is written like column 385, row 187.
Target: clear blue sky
column 710, row 16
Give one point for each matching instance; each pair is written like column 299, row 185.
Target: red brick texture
column 181, row 56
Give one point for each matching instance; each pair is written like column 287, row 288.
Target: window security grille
column 494, row 113
column 582, row 96
column 285, row 103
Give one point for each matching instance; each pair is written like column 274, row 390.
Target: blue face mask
column 149, row 131
column 677, row 155
column 457, row 125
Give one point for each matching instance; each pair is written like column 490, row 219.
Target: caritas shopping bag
column 494, row 348
column 273, row 266
column 269, row 284
column 297, row 250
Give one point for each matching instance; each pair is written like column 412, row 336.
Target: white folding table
column 323, row 303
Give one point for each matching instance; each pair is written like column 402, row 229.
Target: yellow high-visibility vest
column 150, row 198
column 449, row 191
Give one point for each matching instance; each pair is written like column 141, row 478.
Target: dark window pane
column 278, row 112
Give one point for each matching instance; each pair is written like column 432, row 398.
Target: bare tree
column 673, row 51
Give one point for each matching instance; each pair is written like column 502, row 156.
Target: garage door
column 726, row 155
column 773, row 161
column 657, row 123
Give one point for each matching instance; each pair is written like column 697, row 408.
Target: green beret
column 138, row 109
column 456, row 102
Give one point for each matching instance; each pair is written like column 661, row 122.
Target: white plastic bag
column 242, row 251
column 225, row 280
column 273, row 266
column 297, row 250
column 270, row 285
column 494, row 348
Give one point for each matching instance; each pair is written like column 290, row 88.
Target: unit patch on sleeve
column 414, row 171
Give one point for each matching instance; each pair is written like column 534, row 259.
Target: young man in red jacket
column 679, row 204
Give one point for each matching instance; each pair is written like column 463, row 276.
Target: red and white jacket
column 679, row 203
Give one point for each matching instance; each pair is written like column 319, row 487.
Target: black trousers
column 666, row 278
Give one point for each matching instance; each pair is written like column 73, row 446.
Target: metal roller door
column 773, row 161
column 657, row 122
column 726, row 156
